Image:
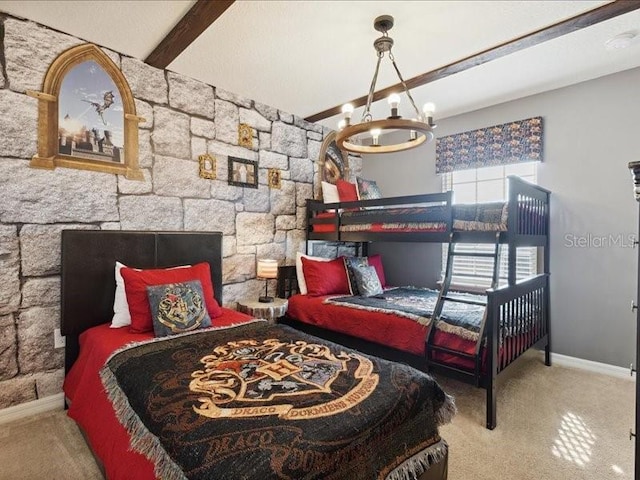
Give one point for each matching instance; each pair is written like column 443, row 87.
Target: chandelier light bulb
column 341, row 124
column 394, row 100
column 429, row 109
column 375, row 133
column 347, row 110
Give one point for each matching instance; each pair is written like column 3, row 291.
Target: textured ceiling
column 306, row 56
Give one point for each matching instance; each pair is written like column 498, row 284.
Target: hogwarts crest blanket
column 261, row 401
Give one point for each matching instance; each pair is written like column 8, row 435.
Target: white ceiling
column 306, row 56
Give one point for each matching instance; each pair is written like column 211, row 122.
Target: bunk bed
column 515, row 319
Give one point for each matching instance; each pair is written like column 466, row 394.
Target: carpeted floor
column 553, row 423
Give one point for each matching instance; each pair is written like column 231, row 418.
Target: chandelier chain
column 366, row 115
column 406, row 89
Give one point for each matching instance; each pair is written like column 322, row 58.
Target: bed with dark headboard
column 88, row 286
column 88, row 261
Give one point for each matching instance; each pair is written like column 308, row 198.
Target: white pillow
column 330, row 193
column 302, row 285
column 121, row 315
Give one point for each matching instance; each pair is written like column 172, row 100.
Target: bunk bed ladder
column 444, row 296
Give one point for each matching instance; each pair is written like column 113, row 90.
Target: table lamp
column 267, row 268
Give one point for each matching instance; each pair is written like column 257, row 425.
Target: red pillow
column 137, row 281
column 325, row 278
column 347, row 191
column 376, row 262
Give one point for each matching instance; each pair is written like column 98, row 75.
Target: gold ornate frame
column 274, row 178
column 48, row 155
column 245, row 135
column 207, row 166
column 333, row 162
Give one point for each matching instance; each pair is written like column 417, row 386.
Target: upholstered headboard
column 88, row 263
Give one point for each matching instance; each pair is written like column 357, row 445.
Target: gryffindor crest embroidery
column 249, row 378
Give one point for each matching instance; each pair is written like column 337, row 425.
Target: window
column 479, row 185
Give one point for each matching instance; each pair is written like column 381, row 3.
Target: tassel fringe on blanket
column 142, row 440
column 416, row 465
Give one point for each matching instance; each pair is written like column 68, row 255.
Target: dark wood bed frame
column 527, row 226
column 88, row 280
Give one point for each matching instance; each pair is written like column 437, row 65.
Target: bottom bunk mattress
column 400, row 318
column 253, row 401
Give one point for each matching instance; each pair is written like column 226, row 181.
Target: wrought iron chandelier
column 420, row 128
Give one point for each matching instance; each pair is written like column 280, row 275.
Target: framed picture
column 87, row 115
column 245, row 135
column 207, row 166
column 274, row 178
column 243, row 173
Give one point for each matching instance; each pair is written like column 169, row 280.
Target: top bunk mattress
column 466, row 217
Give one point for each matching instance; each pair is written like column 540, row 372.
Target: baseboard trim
column 24, row 410
column 591, row 366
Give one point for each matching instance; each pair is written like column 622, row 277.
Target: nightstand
column 269, row 311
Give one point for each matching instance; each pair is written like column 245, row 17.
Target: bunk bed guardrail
column 527, row 218
column 337, row 214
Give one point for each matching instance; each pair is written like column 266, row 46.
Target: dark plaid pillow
column 177, row 308
column 367, row 280
column 350, row 263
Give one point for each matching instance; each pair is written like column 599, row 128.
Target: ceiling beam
column 194, row 22
column 573, row 24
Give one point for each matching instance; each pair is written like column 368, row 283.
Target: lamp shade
column 267, row 268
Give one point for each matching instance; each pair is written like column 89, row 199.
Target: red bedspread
column 391, row 330
column 383, row 328
column 91, row 409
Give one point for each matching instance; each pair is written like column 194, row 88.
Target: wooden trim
column 195, row 21
column 590, row 366
column 34, row 407
column 573, row 24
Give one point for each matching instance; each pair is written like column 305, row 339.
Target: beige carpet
column 553, row 423
column 46, row 446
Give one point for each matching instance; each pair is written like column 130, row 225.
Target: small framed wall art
column 207, row 166
column 274, row 179
column 245, row 135
column 243, row 173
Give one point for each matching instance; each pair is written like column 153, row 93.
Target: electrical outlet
column 58, row 339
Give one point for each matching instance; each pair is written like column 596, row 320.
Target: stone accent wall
column 185, row 118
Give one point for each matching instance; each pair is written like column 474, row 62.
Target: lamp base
column 265, row 299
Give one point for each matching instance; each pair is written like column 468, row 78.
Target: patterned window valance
column 513, row 142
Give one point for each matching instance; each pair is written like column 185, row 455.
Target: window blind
column 486, row 185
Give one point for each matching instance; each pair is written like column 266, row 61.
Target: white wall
column 591, row 132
